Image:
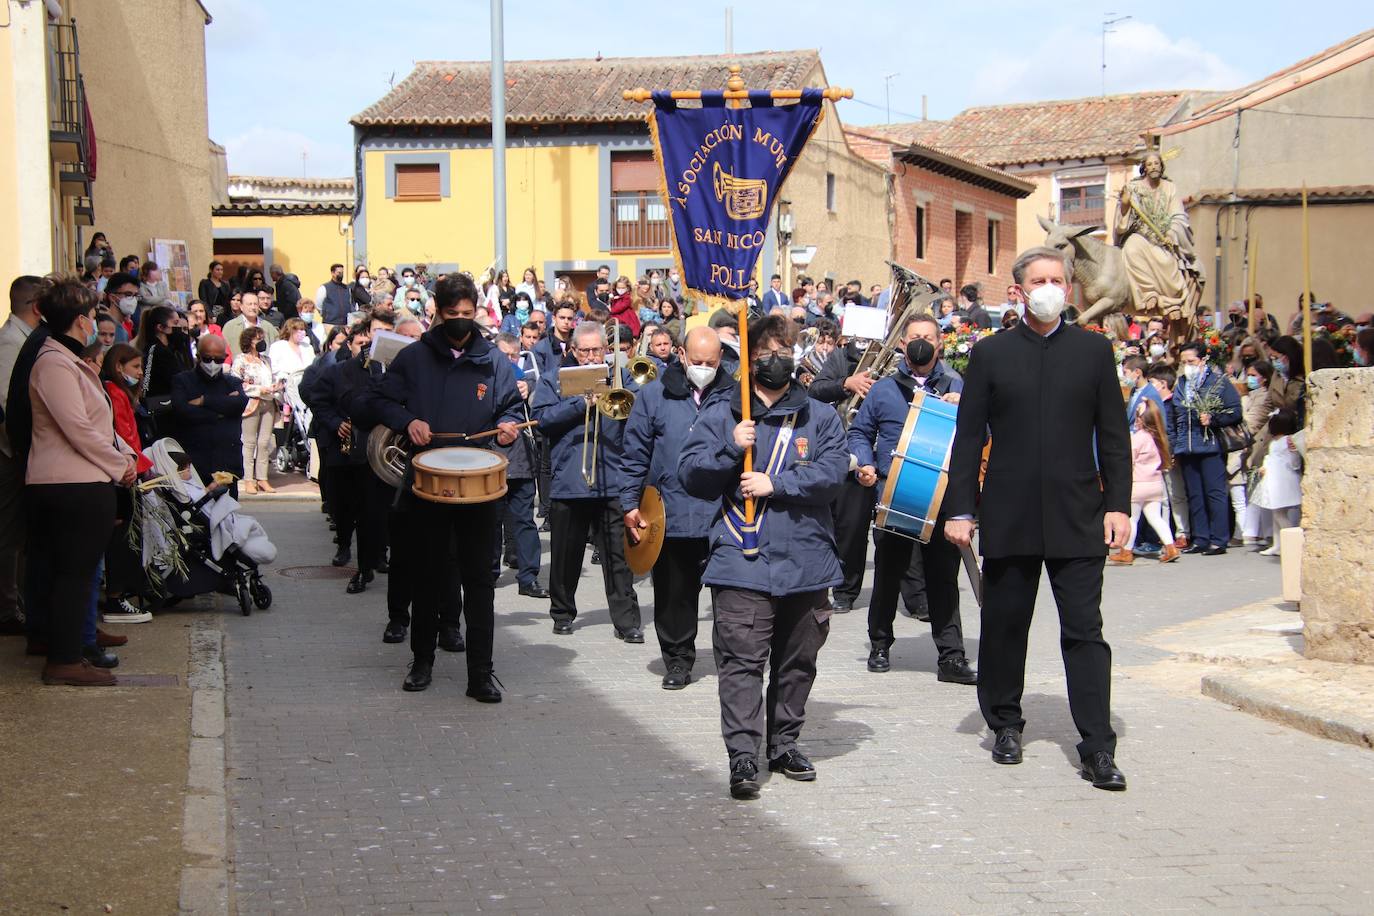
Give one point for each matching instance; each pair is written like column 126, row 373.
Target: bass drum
column 920, row 470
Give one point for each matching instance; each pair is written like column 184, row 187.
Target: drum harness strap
column 747, row 536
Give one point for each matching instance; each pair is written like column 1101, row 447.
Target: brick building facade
column 950, row 218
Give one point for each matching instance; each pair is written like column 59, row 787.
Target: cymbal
column 641, row 557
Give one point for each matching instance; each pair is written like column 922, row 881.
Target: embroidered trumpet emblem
column 743, row 197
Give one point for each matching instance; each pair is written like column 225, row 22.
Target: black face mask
column 919, row 352
column 260, row 346
column 458, row 330
column 774, row 372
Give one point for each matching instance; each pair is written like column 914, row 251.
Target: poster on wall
column 174, row 258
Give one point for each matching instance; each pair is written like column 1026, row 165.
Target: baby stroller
column 293, row 454
column 194, row 541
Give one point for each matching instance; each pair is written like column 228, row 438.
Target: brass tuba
column 911, row 295
column 387, row 455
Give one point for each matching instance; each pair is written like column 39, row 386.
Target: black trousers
column 69, row 526
column 892, row 563
column 677, row 596
column 570, row 521
column 545, row 474
column 360, row 502
column 436, row 526
column 400, row 582
column 1009, row 589
column 852, row 513
column 754, row 630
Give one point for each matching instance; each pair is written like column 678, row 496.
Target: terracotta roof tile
column 1283, row 195
column 569, row 91
column 1038, row 131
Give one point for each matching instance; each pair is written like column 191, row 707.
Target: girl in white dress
column 1279, row 488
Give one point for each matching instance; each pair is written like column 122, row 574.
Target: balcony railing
column 639, row 222
column 1074, row 214
column 66, row 100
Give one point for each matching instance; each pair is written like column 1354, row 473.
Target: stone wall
column 1338, row 517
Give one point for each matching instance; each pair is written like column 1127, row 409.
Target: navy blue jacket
column 562, row 421
column 523, row 453
column 467, row 394
column 335, row 395
column 797, row 537
column 210, row 432
column 1187, row 435
column 663, row 416
column 1146, row 390
column 878, row 425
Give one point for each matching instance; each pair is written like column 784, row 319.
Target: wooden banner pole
column 1306, row 288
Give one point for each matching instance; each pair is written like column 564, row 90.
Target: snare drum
column 459, row 475
column 920, row 470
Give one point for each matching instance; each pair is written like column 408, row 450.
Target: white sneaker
column 1270, row 551
column 121, row 611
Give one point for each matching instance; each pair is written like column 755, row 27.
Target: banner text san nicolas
column 722, row 169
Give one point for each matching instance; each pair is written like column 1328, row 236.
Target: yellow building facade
column 97, row 136
column 581, row 183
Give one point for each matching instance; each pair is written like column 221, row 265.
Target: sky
column 285, row 76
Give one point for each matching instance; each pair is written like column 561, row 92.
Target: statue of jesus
column 1156, row 244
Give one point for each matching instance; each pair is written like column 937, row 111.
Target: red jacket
column 623, row 310
column 125, row 425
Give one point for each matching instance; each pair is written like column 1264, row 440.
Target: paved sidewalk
column 591, row 790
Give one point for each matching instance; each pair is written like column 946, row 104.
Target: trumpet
column 642, row 369
column 614, row 404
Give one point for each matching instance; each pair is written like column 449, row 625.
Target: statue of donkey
column 1097, row 268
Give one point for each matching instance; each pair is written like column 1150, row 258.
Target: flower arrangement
column 958, row 345
column 1218, row 350
column 1342, row 340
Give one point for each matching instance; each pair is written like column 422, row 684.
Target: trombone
column 614, row 404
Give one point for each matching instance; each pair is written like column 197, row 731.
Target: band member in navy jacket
column 664, row 413
column 452, row 381
column 579, row 506
column 873, row 436
column 769, row 581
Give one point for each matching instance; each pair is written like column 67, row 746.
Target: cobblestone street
column 592, row 790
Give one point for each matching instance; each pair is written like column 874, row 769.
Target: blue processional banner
column 722, row 170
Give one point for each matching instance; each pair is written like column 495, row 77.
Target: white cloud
column 264, row 150
column 1067, row 64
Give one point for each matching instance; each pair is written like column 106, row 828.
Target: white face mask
column 128, row 304
column 132, row 380
column 701, row 376
column 1046, row 302
column 364, row 282
column 408, row 281
column 1193, row 371
column 1157, row 350
column 212, row 369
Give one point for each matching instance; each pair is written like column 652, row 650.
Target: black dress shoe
column 450, row 640
column 677, row 678
column 841, row 605
column 534, row 590
column 1101, row 771
column 511, row 563
column 395, row 632
column 544, row 528
column 1194, row 547
column 922, row 614
column 632, row 635
column 1213, row 550
column 562, row 627
column 956, row 670
column 357, row 585
column 342, row 557
column 383, row 566
column 1007, row 748
column 596, row 558
column 420, row 676
column 99, row 657
column 483, row 688
column 794, row 765
column 878, row 661
column 744, row 778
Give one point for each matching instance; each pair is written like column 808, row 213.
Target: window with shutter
column 417, row 182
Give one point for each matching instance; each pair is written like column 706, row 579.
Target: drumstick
column 493, row 432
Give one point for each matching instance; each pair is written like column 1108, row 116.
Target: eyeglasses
column 213, row 359
column 590, row 351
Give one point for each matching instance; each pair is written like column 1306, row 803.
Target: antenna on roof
column 391, row 82
column 729, row 30
column 1107, row 23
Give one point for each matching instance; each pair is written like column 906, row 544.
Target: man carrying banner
column 768, row 579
